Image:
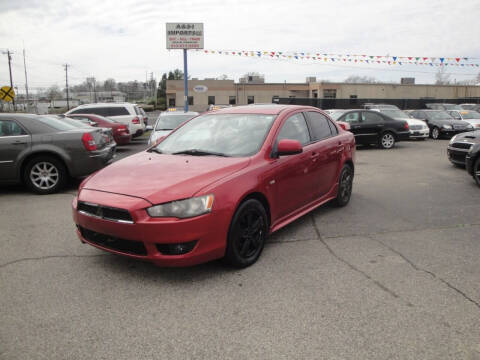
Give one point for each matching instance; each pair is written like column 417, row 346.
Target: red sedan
column 217, row 186
column 121, row 134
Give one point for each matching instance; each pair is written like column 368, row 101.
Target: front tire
column 45, row 175
column 247, row 234
column 387, row 140
column 435, row 133
column 345, row 185
column 476, row 171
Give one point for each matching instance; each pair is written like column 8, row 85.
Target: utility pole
column 94, row 90
column 66, row 85
column 10, row 71
column 26, row 79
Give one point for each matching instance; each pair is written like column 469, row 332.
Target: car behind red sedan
column 217, row 186
column 120, row 132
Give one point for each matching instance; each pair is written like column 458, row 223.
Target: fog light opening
column 176, row 249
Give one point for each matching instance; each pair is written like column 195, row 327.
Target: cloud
column 123, row 39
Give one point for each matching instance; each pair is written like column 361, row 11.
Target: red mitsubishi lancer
column 217, row 186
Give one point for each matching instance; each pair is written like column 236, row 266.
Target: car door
column 326, row 150
column 372, row 125
column 291, row 175
column 353, row 118
column 14, row 141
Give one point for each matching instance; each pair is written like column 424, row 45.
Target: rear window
column 55, row 123
column 103, row 111
column 117, row 111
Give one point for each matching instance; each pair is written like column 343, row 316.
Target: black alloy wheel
column 45, row 175
column 435, row 133
column 247, row 234
column 476, row 171
column 387, row 140
column 345, row 185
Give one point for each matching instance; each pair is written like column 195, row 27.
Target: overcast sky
column 123, row 39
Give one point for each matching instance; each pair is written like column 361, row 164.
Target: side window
column 137, row 110
column 333, row 128
column 295, row 128
column 116, row 111
column 10, row 128
column 370, row 117
column 318, row 125
column 353, row 117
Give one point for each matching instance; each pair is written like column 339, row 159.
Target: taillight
column 406, row 126
column 136, row 120
column 122, row 128
column 89, row 142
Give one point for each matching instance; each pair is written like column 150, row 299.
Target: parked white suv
column 125, row 113
column 167, row 121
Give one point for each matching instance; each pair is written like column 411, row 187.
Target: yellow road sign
column 7, row 93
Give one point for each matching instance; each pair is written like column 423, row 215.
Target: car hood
column 449, row 122
column 160, row 178
column 471, row 137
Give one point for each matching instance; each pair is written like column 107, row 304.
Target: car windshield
column 336, row 114
column 57, row 124
column 399, row 114
column 234, row 135
column 439, row 115
column 470, row 114
column 170, row 122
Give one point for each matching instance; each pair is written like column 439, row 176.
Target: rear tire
column 386, row 140
column 247, row 234
column 345, row 185
column 45, row 175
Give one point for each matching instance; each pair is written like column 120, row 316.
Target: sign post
column 185, row 36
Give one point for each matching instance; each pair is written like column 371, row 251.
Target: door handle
column 314, row 156
column 380, row 125
column 18, row 142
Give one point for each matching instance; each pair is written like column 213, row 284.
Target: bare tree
column 442, row 78
column 357, row 79
column 53, row 93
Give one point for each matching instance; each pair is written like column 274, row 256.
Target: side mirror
column 149, row 128
column 344, row 125
column 289, row 147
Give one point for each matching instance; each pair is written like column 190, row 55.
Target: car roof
column 267, row 109
column 164, row 113
column 105, row 104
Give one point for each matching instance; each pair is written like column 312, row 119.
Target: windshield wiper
column 198, row 152
column 156, row 150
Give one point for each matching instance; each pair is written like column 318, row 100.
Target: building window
column 232, row 100
column 171, row 102
column 250, row 99
column 329, row 93
column 353, row 99
column 275, row 99
column 190, row 100
column 211, row 100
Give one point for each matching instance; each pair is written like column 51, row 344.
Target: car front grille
column 105, row 212
column 114, row 243
column 461, row 145
column 457, row 157
column 416, row 127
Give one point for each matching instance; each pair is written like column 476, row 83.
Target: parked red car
column 217, row 186
column 121, row 134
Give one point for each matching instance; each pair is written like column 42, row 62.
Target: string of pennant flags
column 351, row 58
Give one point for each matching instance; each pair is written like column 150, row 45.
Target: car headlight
column 452, row 140
column 447, row 126
column 470, row 127
column 183, row 208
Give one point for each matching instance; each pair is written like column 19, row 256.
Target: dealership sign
column 200, row 88
column 184, row 35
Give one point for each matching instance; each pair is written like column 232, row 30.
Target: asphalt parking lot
column 394, row 275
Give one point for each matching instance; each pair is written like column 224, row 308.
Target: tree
column 222, row 77
column 442, row 78
column 357, row 79
column 54, row 93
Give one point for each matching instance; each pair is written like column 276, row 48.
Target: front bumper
column 419, row 134
column 451, row 132
column 143, row 238
column 469, row 161
column 456, row 156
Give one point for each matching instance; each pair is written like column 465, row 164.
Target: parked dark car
column 43, row 151
column 120, row 132
column 472, row 159
column 460, row 145
column 441, row 123
column 373, row 127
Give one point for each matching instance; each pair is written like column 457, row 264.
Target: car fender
column 45, row 149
